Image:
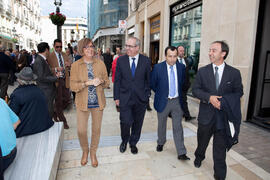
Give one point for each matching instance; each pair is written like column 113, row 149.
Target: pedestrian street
column 148, row 164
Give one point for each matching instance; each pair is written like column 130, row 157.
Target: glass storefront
column 186, row 31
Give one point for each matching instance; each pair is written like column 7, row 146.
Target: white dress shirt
column 176, row 80
column 220, row 70
column 131, row 60
column 183, row 61
column 57, row 56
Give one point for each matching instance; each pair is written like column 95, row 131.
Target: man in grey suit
column 213, row 83
column 46, row 80
column 167, row 79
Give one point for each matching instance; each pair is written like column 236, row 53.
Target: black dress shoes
column 159, row 148
column 133, row 149
column 183, row 157
column 123, row 147
column 189, row 118
column 218, row 178
column 197, row 163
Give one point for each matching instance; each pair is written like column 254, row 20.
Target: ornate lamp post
column 58, row 3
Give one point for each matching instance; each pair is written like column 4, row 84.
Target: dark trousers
column 3, row 84
column 62, row 100
column 108, row 67
column 6, row 161
column 185, row 104
column 131, row 121
column 204, row 134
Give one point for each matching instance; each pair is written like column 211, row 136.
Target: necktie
column 172, row 83
column 60, row 60
column 181, row 61
column 133, row 67
column 216, row 77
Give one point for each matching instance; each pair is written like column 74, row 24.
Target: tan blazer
column 53, row 62
column 79, row 75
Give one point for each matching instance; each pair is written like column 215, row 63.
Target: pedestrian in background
column 131, row 93
column 186, row 84
column 167, row 79
column 59, row 63
column 99, row 54
column 88, row 80
column 108, row 59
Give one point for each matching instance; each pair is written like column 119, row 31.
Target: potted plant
column 57, row 18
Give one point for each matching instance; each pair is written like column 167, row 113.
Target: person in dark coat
column 30, row 104
column 6, row 65
column 108, row 59
column 45, row 78
column 213, row 82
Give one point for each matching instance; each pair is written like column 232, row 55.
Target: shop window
column 186, row 31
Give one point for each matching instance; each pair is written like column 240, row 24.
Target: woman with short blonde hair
column 88, row 78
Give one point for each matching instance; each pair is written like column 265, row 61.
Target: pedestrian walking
column 88, row 80
column 167, row 79
column 131, row 93
column 217, row 86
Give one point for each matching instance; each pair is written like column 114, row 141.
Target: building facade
column 20, row 23
column 73, row 30
column 195, row 24
column 103, row 22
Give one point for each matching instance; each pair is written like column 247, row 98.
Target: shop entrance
column 154, row 52
column 259, row 100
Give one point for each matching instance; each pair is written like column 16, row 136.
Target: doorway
column 154, row 52
column 259, row 100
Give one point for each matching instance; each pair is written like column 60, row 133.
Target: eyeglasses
column 58, row 47
column 130, row 46
column 88, row 47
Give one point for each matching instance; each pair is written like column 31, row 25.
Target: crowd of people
column 47, row 78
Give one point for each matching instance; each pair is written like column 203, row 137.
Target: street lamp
column 58, row 3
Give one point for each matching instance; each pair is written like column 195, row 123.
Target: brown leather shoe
column 84, row 159
column 94, row 160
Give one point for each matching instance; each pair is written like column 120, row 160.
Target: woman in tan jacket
column 88, row 79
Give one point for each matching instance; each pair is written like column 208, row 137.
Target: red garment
column 114, row 68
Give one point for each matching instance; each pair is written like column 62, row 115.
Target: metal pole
column 59, row 28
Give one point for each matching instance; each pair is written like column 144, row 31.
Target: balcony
column 8, row 10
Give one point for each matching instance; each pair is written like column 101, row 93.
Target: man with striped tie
column 166, row 81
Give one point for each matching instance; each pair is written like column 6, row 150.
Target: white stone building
column 73, row 30
column 20, row 23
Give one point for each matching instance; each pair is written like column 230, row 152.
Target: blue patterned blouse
column 92, row 92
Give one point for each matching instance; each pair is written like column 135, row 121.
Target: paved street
column 149, row 164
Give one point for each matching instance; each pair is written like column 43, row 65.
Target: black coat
column 205, row 86
column 6, row 64
column 29, row 103
column 126, row 86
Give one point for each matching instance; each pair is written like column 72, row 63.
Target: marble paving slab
column 106, row 141
column 37, row 155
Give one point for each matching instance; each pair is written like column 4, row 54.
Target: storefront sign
column 155, row 37
column 182, row 5
column 122, row 24
column 155, row 25
column 131, row 30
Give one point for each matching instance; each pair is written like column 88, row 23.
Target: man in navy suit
column 212, row 82
column 167, row 79
column 131, row 93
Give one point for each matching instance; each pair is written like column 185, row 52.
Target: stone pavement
column 147, row 164
column 248, row 160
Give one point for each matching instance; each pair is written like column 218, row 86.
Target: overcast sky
column 70, row 8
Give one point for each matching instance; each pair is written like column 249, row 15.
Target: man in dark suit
column 212, row 82
column 186, row 84
column 131, row 93
column 108, row 59
column 32, row 58
column 46, row 79
column 167, row 79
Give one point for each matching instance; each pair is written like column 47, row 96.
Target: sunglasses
column 58, row 47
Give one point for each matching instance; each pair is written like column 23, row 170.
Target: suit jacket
column 160, row 84
column 186, row 84
column 126, row 86
column 53, row 62
column 205, row 86
column 46, row 79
